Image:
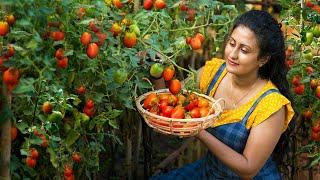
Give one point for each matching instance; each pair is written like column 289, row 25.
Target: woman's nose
column 234, row 53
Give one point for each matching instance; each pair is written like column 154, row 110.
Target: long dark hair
column 271, row 42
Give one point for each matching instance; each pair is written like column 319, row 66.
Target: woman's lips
column 232, row 62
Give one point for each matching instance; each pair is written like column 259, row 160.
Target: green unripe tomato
column 156, row 70
column 308, row 56
column 55, row 116
column 316, row 31
column 308, row 38
column 120, row 76
column 84, row 117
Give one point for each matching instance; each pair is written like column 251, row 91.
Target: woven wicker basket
column 179, row 127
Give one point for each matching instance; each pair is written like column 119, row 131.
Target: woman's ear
column 263, row 60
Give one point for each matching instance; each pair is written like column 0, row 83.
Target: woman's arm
column 260, row 144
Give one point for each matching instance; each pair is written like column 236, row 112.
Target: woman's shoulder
column 271, row 103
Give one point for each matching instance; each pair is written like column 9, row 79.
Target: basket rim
column 215, row 105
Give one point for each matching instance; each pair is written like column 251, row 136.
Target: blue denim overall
column 234, row 135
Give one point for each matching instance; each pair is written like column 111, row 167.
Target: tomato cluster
column 158, row 4
column 179, row 106
column 89, row 109
column 196, row 41
column 315, row 133
column 32, row 158
column 68, row 172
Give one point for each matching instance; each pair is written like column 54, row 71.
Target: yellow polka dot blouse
column 265, row 108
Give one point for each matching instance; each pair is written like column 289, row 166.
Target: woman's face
column 241, row 52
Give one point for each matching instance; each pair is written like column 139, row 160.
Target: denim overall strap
column 215, row 78
column 246, row 117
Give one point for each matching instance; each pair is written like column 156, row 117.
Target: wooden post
column 5, row 145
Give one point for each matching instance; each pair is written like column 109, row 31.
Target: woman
column 252, row 80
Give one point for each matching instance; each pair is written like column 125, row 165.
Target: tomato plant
column 67, row 52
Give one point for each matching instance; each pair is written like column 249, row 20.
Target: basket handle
column 218, row 101
column 136, row 87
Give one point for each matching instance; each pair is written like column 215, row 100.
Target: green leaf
column 36, row 141
column 315, row 161
column 113, row 123
column 53, row 157
column 72, row 137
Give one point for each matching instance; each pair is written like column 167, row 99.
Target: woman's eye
column 244, row 51
column 232, row 44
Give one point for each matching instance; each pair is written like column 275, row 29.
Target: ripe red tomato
column 130, row 39
column 117, row 3
column 76, row 157
column 11, row 19
column 81, row 90
column 101, row 38
column 167, row 111
column 318, row 91
column 173, row 100
column 163, row 104
column 89, row 103
column 81, row 12
column 195, row 43
column 192, row 104
column 313, row 84
column 11, row 78
column 4, row 28
column 47, row 107
column 92, row 50
column 195, row 113
column 200, row 37
column 62, row 63
column 307, row 114
column 289, row 63
column 309, row 69
column 183, row 7
column 168, row 73
column 160, row 4
column 150, row 101
column 316, row 127
column 315, row 136
column 205, row 111
column 10, row 52
column 68, row 171
column 164, row 97
column 34, row 153
column 309, row 4
column 31, row 162
column 59, row 54
column 296, row 80
column 44, row 143
column 85, row 38
column 175, row 86
column 181, row 99
column 14, row 133
column 191, row 13
column 299, row 90
column 57, row 35
column 188, row 40
column 178, row 112
column 115, row 29
column 147, row 4
column 89, row 111
column 203, row 102
column 93, row 27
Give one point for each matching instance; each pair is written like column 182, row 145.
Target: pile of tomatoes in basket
column 175, row 103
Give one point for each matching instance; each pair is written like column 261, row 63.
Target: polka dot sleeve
column 271, row 104
column 209, row 70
